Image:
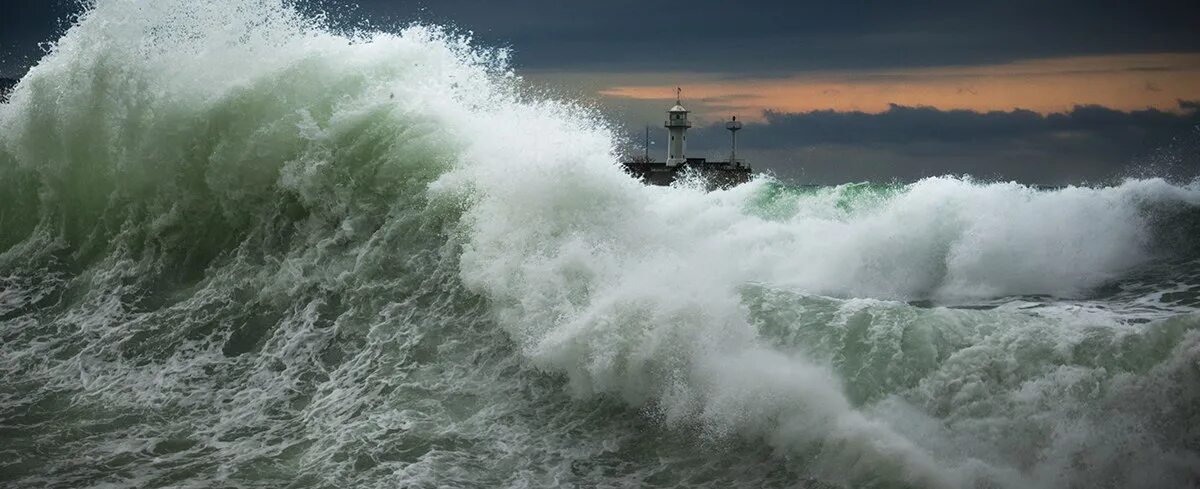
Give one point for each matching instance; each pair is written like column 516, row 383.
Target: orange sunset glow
column 1124, row 82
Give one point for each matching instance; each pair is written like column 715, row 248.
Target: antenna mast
column 646, row 146
column 734, row 126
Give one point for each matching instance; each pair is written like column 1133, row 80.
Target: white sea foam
column 330, row 335
column 635, row 292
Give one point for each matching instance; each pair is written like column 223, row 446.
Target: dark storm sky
column 785, row 36
column 1039, row 91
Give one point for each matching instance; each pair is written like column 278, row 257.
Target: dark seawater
column 240, row 250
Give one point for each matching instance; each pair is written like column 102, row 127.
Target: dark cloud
column 724, row 36
column 766, row 36
column 1087, row 143
column 907, row 124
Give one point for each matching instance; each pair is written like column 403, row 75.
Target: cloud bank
column 1088, row 143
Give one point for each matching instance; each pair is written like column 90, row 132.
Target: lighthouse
column 715, row 174
column 677, row 125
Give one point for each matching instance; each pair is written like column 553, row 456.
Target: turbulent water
column 238, row 249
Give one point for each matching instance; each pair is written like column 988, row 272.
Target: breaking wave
column 240, row 247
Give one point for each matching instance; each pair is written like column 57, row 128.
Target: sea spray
column 242, row 249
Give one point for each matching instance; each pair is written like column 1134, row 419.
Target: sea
column 242, row 249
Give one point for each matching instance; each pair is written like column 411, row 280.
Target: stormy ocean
column 240, row 249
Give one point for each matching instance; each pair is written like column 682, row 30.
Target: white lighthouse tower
column 677, row 125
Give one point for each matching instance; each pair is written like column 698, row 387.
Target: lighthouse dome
column 677, row 108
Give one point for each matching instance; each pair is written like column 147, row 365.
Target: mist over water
column 240, row 249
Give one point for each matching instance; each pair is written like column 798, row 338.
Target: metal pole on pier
column 647, row 145
column 734, row 126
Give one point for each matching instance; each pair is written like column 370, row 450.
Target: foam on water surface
column 242, row 249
